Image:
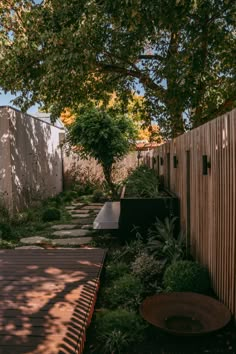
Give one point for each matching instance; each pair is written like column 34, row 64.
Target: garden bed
column 117, row 326
column 132, row 273
column 143, row 199
column 142, row 212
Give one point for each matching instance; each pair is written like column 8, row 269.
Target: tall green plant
column 163, row 243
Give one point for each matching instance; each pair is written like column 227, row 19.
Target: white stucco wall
column 32, row 147
column 5, row 161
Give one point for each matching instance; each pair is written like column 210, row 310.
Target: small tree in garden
column 106, row 137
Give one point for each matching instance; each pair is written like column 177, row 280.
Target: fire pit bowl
column 185, row 314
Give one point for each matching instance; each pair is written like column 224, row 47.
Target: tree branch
column 144, row 79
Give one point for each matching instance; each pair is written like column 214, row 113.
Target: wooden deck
column 47, row 299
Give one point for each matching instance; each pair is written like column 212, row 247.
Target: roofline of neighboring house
column 146, row 146
column 31, row 116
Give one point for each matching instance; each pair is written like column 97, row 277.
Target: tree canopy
column 181, row 53
column 134, row 110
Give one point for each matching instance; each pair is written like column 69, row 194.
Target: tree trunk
column 177, row 125
column 107, row 170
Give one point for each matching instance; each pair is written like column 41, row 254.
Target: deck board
column 47, row 299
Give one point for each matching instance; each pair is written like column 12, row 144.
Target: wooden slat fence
column 208, row 202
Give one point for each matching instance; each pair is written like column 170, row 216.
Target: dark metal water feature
column 185, row 313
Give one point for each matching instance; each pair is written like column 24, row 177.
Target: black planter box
column 142, row 212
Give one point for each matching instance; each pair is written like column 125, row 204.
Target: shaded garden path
column 78, row 232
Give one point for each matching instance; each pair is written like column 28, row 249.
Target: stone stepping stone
column 77, row 204
column 29, row 248
column 34, row 240
column 63, row 227
column 86, row 221
column 71, row 233
column 92, row 207
column 80, row 211
column 69, row 248
column 97, row 204
column 87, row 227
column 69, row 207
column 72, row 241
column 93, row 210
column 78, row 216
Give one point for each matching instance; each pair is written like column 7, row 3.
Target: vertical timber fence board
column 212, row 197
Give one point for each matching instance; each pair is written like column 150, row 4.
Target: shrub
column 86, row 199
column 117, row 330
column 115, row 271
column 187, row 276
column 69, row 196
column 98, row 196
column 73, row 194
column 125, row 292
column 142, row 183
column 84, row 189
column 51, row 214
column 149, row 271
column 5, row 231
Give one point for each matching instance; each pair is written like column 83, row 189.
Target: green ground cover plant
column 123, row 288
column 116, row 270
column 124, row 292
column 129, row 251
column 149, row 271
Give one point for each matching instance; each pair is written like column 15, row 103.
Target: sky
column 5, row 100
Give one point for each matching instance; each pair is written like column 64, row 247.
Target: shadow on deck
column 47, row 299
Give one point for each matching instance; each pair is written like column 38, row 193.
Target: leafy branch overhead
column 181, row 54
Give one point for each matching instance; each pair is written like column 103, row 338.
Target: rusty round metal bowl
column 185, row 314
